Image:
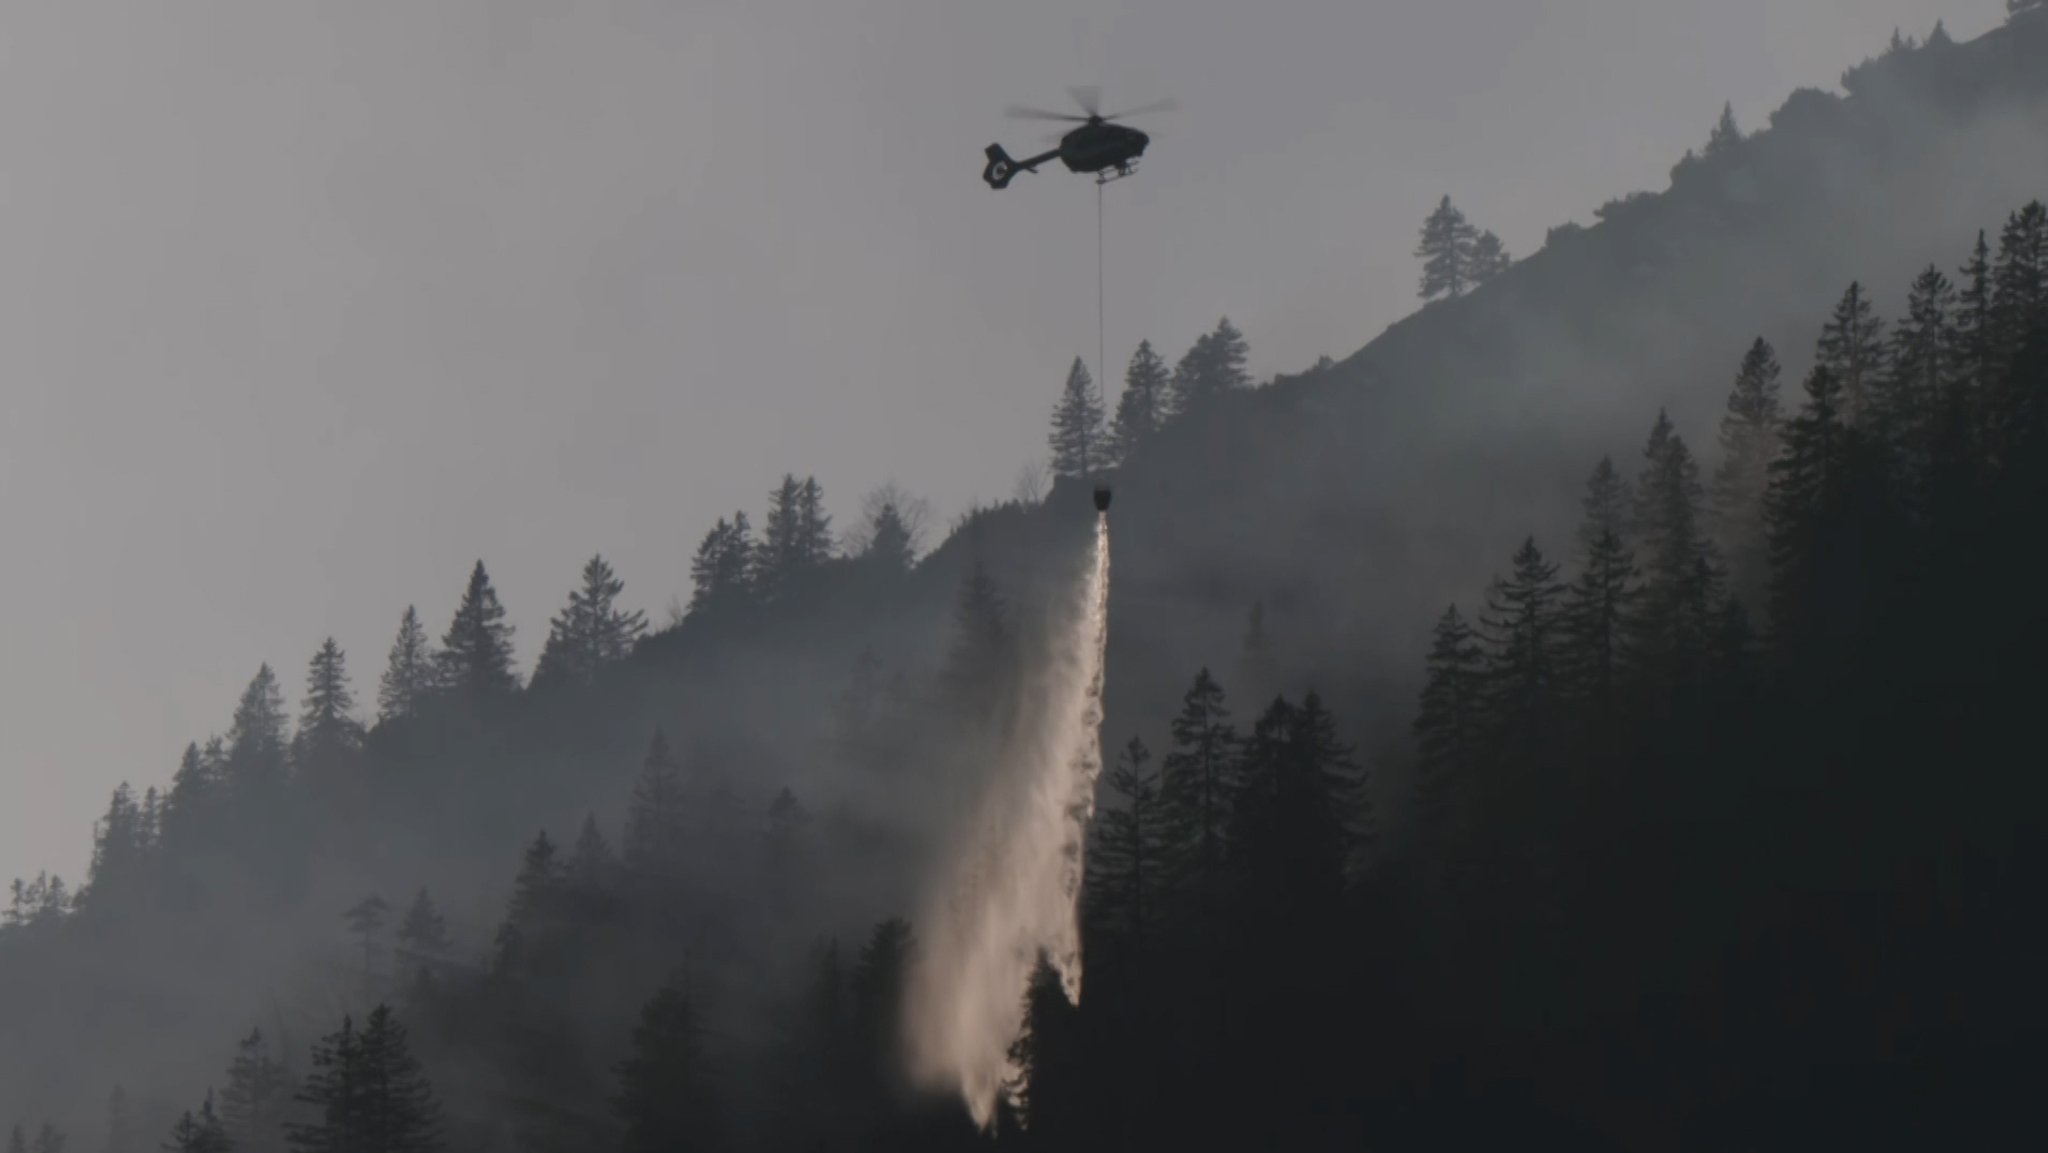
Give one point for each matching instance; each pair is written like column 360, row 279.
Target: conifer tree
column 1600, row 603
column 1749, row 442
column 1805, row 480
column 1446, row 251
column 409, row 673
column 328, row 729
column 258, row 1097
column 1048, row 1090
column 1079, row 446
column 814, row 525
column 666, row 1099
column 257, row 738
column 366, row 920
column 721, row 574
column 795, row 538
column 655, row 823
column 1852, row 348
column 876, row 986
column 476, row 652
column 1198, row 784
column 1286, row 835
column 2019, row 281
column 1678, row 563
column 1448, row 722
column 889, row 541
column 591, row 632
column 1522, row 627
column 1925, row 366
column 423, row 934
column 1125, row 861
column 592, row 864
column 1213, row 367
column 200, row 1133
column 1142, row 406
column 367, row 1092
column 1489, row 259
column 978, row 669
column 539, row 881
column 1725, row 136
column 1975, row 326
column 119, row 853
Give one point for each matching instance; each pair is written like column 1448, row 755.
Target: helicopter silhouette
column 1110, row 151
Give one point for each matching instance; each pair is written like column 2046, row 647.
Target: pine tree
column 889, row 541
column 1286, row 836
column 539, row 882
column 476, row 652
column 1198, row 784
column 721, row 574
column 795, row 538
column 201, row 1133
column 1446, row 251
column 1725, row 136
column 593, row 867
column 328, row 730
column 258, row 1097
column 367, row 1093
column 655, row 822
column 1806, row 480
column 423, row 934
column 1047, row 1091
column 1925, row 368
column 590, row 633
column 1601, row 602
column 1976, row 327
column 1852, row 348
column 1338, row 775
column 1749, row 442
column 1449, row 720
column 258, row 739
column 1489, row 259
column 1522, row 627
column 366, row 920
column 120, row 851
column 409, row 674
column 665, row 1099
column 1678, row 564
column 1124, row 863
column 1215, row 365
column 2019, row 279
column 1141, row 407
column 1079, row 447
column 877, row 986
column 979, row 668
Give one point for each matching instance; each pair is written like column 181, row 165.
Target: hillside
column 1352, row 503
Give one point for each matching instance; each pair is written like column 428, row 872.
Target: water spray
column 1015, row 887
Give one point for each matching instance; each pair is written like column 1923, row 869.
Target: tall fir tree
column 1213, row 367
column 666, row 1099
column 795, row 538
column 258, row 739
column 409, row 673
column 1446, row 250
column 890, row 544
column 328, row 732
column 1679, row 567
column 1925, row 369
column 367, row 1092
column 1522, row 628
column 1450, row 720
column 1079, row 444
column 1198, row 786
column 200, row 1132
column 1142, row 406
column 1726, row 134
column 1125, row 861
column 1807, row 480
column 593, row 866
column 475, row 660
column 1600, row 604
column 591, row 632
column 1749, row 442
column 980, row 666
column 1852, row 347
column 120, row 853
column 721, row 573
column 258, row 1097
column 1489, row 259
column 655, row 824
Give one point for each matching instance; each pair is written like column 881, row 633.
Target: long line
column 1101, row 368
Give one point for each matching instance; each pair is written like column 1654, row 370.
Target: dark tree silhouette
column 1125, row 863
column 475, row 660
column 258, row 1097
column 1080, row 446
column 409, row 673
column 666, row 1098
column 591, row 632
column 1446, row 252
column 1198, row 786
column 1142, row 406
column 721, row 574
column 655, row 824
column 1749, row 442
column 1726, row 134
column 1852, row 347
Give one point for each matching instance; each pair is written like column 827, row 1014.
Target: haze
column 305, row 307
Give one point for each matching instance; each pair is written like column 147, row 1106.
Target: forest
column 1704, row 821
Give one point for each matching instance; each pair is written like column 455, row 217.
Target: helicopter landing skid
column 1117, row 173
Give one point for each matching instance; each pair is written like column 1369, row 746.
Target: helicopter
column 1110, row 151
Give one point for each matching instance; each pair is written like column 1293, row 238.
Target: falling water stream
column 1015, row 883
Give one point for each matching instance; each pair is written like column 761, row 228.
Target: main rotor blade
column 1166, row 105
column 1017, row 113
column 1088, row 96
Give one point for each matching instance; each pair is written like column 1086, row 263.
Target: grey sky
column 306, row 306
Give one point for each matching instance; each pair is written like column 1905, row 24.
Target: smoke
column 1013, row 889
